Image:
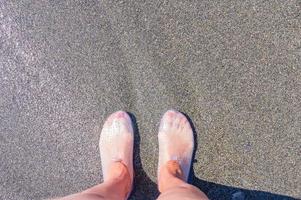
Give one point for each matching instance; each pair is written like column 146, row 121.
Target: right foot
column 175, row 141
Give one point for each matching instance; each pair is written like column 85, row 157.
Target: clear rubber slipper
column 116, row 143
column 176, row 141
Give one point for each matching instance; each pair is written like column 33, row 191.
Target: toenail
column 120, row 114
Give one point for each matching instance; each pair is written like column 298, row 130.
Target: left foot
column 116, row 144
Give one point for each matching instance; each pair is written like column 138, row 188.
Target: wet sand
column 232, row 67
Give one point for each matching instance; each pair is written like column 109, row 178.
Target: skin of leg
column 116, row 149
column 173, row 187
column 116, row 187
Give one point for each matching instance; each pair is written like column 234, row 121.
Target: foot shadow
column 216, row 191
column 144, row 187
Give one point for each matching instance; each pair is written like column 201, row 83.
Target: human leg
column 116, row 150
column 116, row 186
column 173, row 187
column 175, row 154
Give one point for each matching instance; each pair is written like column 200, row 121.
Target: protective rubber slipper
column 116, row 143
column 175, row 141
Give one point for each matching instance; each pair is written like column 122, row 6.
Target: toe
column 184, row 122
column 117, row 115
column 167, row 120
column 119, row 121
column 169, row 115
column 177, row 120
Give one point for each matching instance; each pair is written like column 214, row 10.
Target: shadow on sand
column 145, row 188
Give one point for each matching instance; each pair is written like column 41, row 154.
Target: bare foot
column 116, row 143
column 175, row 141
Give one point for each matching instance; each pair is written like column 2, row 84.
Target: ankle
column 174, row 168
column 119, row 181
column 118, row 172
column 170, row 175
